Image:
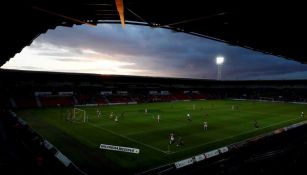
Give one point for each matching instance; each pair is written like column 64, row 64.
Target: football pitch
column 137, row 129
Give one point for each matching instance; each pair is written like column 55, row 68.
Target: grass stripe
column 128, row 138
column 237, row 135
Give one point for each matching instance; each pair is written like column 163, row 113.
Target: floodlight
column 219, row 60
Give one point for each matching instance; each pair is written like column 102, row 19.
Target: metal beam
column 63, row 16
column 120, row 9
column 194, row 19
column 138, row 16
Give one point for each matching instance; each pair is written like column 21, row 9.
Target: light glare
column 219, row 60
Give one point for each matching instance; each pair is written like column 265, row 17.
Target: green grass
column 80, row 142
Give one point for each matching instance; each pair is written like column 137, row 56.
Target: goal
column 79, row 116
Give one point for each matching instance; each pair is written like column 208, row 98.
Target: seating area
column 53, row 101
column 180, row 95
column 198, row 96
column 84, row 99
column 25, row 102
column 101, row 100
column 81, row 98
column 86, row 89
column 119, row 99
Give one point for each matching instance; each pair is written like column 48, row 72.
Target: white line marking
column 130, row 139
column 86, row 140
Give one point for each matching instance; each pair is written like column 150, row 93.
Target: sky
column 144, row 51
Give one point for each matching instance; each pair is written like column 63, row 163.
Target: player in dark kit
column 256, row 125
column 179, row 141
column 171, row 138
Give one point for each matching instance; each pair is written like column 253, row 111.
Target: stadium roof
column 278, row 30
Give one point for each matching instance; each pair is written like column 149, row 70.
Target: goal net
column 78, row 115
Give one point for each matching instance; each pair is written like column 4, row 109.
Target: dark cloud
column 162, row 52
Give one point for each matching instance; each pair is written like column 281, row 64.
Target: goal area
column 78, row 115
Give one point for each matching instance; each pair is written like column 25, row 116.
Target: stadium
column 83, row 123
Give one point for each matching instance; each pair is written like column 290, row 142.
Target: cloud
column 148, row 51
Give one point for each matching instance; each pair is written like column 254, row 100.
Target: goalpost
column 79, row 115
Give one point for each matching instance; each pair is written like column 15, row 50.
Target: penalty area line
column 130, row 139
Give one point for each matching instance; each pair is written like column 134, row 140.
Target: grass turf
column 80, row 142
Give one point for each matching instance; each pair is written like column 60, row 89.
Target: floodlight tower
column 219, row 62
